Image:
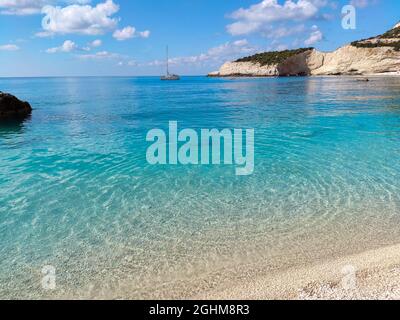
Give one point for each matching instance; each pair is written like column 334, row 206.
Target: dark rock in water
column 13, row 108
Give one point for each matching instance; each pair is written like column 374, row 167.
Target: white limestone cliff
column 347, row 60
column 365, row 61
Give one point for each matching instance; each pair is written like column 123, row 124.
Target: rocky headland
column 376, row 55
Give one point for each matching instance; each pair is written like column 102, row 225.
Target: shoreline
column 238, row 76
column 369, row 275
column 376, row 276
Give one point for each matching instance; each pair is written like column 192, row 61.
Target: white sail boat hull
column 170, row 77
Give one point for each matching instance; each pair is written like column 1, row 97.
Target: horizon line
column 99, row 76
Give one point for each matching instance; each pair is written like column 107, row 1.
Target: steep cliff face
column 350, row 60
column 376, row 55
column 301, row 64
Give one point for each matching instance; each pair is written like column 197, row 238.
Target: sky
column 129, row 37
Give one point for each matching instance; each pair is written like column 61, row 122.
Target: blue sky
column 128, row 37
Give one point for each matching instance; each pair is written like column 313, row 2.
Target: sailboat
column 169, row 76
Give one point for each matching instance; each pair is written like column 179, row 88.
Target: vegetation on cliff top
column 381, row 41
column 394, row 45
column 273, row 57
column 394, row 33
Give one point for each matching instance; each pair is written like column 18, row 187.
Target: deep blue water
column 77, row 193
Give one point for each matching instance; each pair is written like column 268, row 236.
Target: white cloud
column 229, row 50
column 144, row 34
column 259, row 16
column 9, row 47
column 214, row 56
column 29, row 7
column 129, row 33
column 315, row 36
column 67, row 46
column 101, row 55
column 283, row 31
column 79, row 19
column 129, row 63
column 363, row 3
column 124, row 34
column 21, row 7
column 78, row 1
column 96, row 43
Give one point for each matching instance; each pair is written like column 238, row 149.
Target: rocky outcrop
column 11, row 108
column 377, row 55
column 301, row 64
column 244, row 69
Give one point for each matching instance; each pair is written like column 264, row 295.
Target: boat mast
column 167, row 62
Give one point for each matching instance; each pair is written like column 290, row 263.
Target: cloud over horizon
column 9, row 47
column 129, row 33
column 227, row 51
column 262, row 15
column 67, row 46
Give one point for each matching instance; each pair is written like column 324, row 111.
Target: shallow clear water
column 77, row 193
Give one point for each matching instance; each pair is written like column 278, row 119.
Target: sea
column 83, row 214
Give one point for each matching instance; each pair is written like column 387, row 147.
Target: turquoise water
column 77, row 193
